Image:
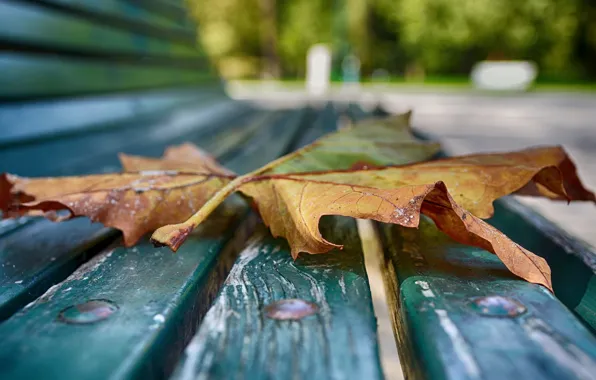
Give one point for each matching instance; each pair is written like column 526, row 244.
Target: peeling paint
column 460, row 346
column 80, row 274
column 214, row 322
column 342, row 285
column 426, row 292
column 563, row 352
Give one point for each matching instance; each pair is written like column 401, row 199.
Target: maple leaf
column 152, row 193
column 454, row 192
column 344, row 173
column 181, row 158
column 156, row 192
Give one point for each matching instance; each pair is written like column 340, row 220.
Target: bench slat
column 35, row 274
column 121, row 15
column 160, row 297
column 236, row 339
column 29, row 76
column 31, row 266
column 434, row 283
column 174, row 10
column 32, row 26
column 44, row 120
column 572, row 262
column 69, row 155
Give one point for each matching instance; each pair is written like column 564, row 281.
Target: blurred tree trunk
column 358, row 31
column 585, row 43
column 271, row 63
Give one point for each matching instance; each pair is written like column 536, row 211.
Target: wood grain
column 236, row 339
column 432, row 282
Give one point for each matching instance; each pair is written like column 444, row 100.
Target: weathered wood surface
column 30, row 266
column 433, row 283
column 573, row 263
column 236, row 340
column 160, row 297
column 36, row 256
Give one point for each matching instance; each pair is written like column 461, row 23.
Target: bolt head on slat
column 498, row 306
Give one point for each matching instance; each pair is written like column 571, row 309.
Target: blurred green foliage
column 247, row 38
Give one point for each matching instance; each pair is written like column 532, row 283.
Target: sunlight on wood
column 372, row 249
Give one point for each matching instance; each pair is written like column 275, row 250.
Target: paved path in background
column 467, row 122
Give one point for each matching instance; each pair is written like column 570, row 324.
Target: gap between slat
column 372, row 250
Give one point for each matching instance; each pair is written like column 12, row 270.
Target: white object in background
column 503, row 75
column 318, row 69
column 380, row 77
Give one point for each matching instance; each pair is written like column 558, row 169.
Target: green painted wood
column 36, row 345
column 426, row 271
column 35, row 256
column 26, row 76
column 96, row 150
column 237, row 340
column 33, row 25
column 42, row 121
column 573, row 263
column 161, row 297
column 31, row 274
column 122, row 15
column 432, row 283
column 30, row 266
column 176, row 11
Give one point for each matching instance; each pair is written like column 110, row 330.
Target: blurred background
column 480, row 75
column 431, row 41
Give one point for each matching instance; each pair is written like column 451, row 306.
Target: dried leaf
column 371, row 143
column 337, row 175
column 292, row 204
column 182, row 158
column 134, row 202
column 368, row 144
column 157, row 192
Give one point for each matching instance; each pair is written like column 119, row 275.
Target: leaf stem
column 173, row 235
column 215, row 201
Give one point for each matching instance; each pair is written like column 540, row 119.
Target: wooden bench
column 84, row 80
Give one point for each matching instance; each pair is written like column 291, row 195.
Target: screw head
column 91, row 311
column 498, row 306
column 290, row 309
